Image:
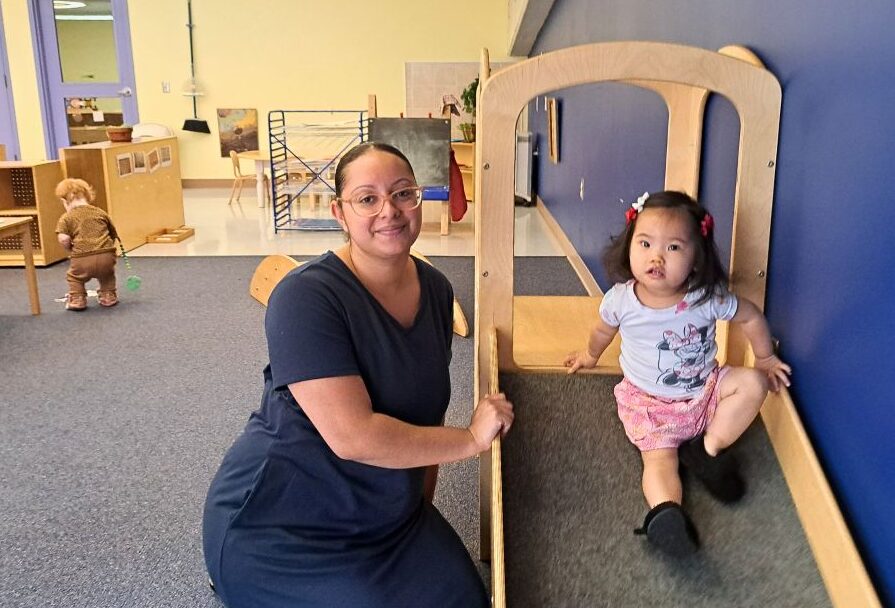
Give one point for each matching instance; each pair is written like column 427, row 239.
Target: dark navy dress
column 287, row 522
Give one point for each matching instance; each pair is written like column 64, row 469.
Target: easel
column 426, row 143
column 448, row 107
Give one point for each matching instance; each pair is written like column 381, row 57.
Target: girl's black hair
column 708, row 276
column 359, row 150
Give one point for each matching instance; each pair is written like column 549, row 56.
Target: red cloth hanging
column 457, row 191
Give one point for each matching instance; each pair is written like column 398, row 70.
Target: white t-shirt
column 667, row 352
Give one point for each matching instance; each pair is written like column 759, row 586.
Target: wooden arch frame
column 683, row 76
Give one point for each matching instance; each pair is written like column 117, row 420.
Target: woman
column 325, row 499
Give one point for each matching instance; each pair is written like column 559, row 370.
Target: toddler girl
column 674, row 401
column 89, row 234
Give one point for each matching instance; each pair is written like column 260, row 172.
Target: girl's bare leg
column 741, row 393
column 666, row 526
column 661, row 481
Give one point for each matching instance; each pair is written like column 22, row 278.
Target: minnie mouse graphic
column 689, row 350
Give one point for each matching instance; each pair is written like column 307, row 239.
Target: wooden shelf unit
column 465, row 154
column 140, row 203
column 27, row 190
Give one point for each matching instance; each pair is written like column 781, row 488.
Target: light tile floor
column 245, row 229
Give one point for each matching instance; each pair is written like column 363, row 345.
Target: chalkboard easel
column 426, row 142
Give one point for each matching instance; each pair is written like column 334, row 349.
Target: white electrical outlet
column 166, row 86
column 581, row 189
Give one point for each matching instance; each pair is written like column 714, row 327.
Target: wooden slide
column 533, row 333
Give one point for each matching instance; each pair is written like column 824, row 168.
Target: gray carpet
column 114, row 421
column 569, row 514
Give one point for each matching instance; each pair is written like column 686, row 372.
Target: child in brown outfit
column 89, row 234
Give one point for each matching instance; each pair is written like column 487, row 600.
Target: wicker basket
column 119, row 134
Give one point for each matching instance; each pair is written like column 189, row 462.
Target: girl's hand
column 778, row 372
column 578, row 359
column 493, row 415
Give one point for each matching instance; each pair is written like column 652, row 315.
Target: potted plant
column 467, row 98
column 119, row 133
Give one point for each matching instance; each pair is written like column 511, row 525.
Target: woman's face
column 393, row 230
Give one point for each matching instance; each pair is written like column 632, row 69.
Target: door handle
column 126, row 92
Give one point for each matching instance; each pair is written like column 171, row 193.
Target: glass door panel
column 85, row 37
column 88, row 118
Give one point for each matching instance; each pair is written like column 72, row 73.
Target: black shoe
column 668, row 528
column 719, row 474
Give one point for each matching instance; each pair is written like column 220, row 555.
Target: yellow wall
column 295, row 54
column 269, row 55
column 23, row 74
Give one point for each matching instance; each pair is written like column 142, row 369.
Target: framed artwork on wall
column 237, row 129
column 553, row 129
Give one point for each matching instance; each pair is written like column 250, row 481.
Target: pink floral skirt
column 653, row 423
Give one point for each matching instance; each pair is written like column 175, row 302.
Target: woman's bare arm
column 756, row 329
column 600, row 337
column 341, row 411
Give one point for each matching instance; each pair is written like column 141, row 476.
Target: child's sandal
column 75, row 301
column 108, row 298
column 668, row 528
column 719, row 474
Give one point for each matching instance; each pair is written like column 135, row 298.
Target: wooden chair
column 239, row 178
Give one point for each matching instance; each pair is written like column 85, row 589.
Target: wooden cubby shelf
column 27, row 190
column 137, row 183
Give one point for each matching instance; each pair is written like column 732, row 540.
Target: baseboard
column 587, row 279
column 211, row 183
column 838, row 561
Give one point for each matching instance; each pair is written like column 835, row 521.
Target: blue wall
column 831, row 281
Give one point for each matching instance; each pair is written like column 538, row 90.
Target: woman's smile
column 391, row 231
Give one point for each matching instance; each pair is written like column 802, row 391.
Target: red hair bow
column 630, row 215
column 708, row 222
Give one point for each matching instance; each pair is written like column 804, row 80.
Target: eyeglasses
column 369, row 205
